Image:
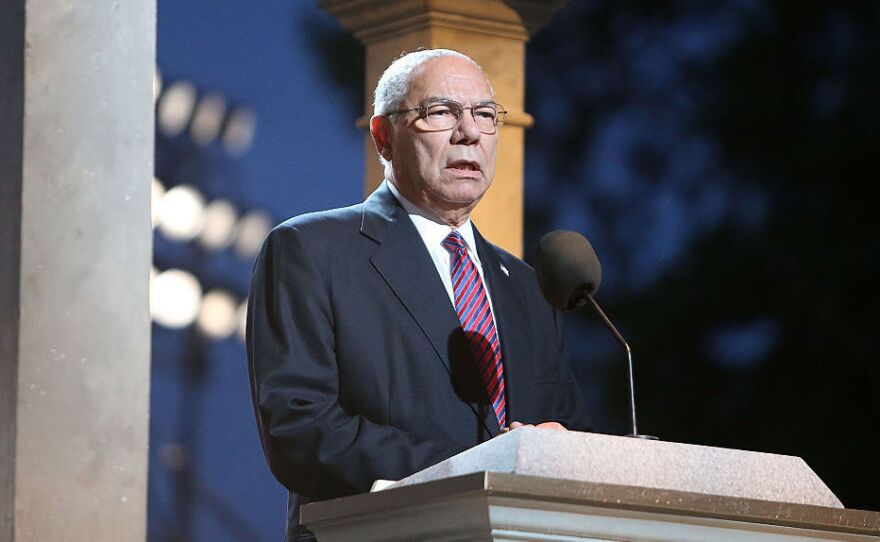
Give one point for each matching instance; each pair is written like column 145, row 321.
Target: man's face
column 451, row 169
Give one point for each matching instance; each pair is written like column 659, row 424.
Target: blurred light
column 174, row 457
column 208, row 118
column 175, row 107
column 239, row 132
column 157, row 83
column 218, row 316
column 242, row 320
column 219, row 228
column 175, row 296
column 157, row 192
column 252, row 230
column 181, row 213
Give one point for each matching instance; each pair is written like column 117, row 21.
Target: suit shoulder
column 318, row 234
column 320, row 223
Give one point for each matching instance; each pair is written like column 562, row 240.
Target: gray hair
column 395, row 82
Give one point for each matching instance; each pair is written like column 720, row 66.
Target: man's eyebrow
column 435, row 99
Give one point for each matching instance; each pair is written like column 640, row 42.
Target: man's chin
column 460, row 200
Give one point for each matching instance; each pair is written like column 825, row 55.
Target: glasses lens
column 446, row 115
column 486, row 118
column 442, row 116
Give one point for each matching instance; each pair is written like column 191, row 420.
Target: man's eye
column 439, row 112
column 485, row 113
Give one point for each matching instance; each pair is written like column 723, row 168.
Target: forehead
column 449, row 77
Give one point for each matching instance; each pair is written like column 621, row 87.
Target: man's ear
column 380, row 129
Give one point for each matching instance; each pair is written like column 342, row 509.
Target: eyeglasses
column 445, row 115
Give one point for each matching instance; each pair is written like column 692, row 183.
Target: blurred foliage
column 755, row 333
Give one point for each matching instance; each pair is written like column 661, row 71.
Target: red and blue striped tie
column 475, row 314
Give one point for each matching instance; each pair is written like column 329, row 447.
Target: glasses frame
column 423, row 113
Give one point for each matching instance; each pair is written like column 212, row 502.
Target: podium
column 542, row 485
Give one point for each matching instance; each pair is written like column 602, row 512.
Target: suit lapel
column 404, row 263
column 511, row 317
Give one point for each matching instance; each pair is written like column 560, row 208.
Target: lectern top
column 649, row 464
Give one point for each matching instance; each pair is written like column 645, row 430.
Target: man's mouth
column 465, row 165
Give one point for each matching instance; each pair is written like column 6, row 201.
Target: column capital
column 371, row 20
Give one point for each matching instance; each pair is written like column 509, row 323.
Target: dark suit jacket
column 357, row 363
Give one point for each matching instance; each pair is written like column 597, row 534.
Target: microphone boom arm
column 629, row 362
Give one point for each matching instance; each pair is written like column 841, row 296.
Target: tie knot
column 454, row 242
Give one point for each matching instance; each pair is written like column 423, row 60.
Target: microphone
column 569, row 273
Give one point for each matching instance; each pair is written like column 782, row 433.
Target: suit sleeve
column 313, row 446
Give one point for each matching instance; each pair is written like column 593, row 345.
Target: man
column 389, row 336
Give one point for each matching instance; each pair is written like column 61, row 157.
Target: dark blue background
column 721, row 159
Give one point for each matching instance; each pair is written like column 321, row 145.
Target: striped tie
column 472, row 306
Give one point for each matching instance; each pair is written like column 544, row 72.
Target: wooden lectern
column 541, row 485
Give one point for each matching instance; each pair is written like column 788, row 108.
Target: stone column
column 493, row 33
column 76, row 148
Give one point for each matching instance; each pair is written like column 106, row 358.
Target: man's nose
column 466, row 131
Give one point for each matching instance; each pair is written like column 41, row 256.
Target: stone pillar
column 493, row 33
column 76, row 148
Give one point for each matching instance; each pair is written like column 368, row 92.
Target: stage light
column 175, row 297
column 252, row 230
column 219, row 228
column 157, row 83
column 175, row 107
column 217, row 317
column 238, row 134
column 157, row 192
column 207, row 119
column 242, row 320
column 181, row 213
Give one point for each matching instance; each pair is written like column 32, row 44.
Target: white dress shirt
column 433, row 232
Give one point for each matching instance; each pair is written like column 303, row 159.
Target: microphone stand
column 629, row 362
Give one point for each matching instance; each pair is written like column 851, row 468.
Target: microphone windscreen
column 567, row 268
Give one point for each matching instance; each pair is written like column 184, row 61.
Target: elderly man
column 389, row 336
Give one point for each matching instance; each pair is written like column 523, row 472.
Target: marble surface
column 77, row 131
column 607, row 459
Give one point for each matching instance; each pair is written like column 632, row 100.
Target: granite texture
column 606, row 459
column 76, row 149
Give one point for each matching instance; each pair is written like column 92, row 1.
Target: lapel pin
column 504, row 270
